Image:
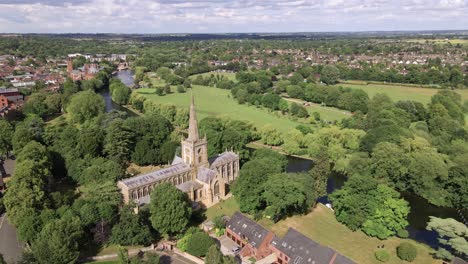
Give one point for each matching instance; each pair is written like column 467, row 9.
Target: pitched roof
column 457, row 260
column 187, row 186
column 206, row 175
column 247, row 229
column 303, row 250
column 223, row 158
column 154, row 176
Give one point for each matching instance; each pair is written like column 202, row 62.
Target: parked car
column 235, row 250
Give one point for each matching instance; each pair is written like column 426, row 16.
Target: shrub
column 407, row 251
column 382, row 255
column 219, row 222
column 199, row 243
column 403, row 233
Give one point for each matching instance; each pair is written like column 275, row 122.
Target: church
column 205, row 180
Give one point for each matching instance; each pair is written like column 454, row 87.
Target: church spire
column 193, row 124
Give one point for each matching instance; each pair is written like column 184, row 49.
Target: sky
column 218, row 16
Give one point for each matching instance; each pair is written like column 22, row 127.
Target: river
column 420, row 208
column 126, row 76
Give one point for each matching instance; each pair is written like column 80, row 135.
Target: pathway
column 10, row 247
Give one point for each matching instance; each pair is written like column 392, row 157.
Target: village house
column 294, row 248
column 87, row 72
column 205, row 180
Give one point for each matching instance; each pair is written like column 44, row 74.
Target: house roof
column 223, row 158
column 154, row 176
column 247, row 229
column 457, row 260
column 303, row 250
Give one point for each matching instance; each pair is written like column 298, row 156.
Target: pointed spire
column 193, row 124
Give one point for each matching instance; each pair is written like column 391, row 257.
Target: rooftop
column 223, row 158
column 206, row 175
column 154, row 176
column 247, row 229
column 303, row 250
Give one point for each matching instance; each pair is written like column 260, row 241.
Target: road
column 10, row 247
column 175, row 259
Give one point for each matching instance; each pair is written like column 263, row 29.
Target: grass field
column 226, row 207
column 326, row 113
column 231, row 76
column 212, row 101
column 401, row 92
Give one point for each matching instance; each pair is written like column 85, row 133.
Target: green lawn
column 212, row 101
column 401, row 92
column 326, row 113
column 231, row 76
column 227, row 207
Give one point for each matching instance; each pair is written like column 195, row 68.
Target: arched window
column 134, row 195
column 216, row 188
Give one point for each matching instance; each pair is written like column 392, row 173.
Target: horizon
column 229, row 17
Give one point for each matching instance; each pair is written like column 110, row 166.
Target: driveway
column 10, row 247
column 226, row 245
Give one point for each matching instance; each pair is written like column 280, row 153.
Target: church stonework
column 205, row 180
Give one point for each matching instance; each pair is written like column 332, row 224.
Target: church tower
column 69, row 66
column 194, row 149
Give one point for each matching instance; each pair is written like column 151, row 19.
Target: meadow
column 401, row 92
column 216, row 102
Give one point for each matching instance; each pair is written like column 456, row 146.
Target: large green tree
column 6, row 136
column 170, row 209
column 330, row 74
column 130, row 230
column 59, row 242
column 85, row 105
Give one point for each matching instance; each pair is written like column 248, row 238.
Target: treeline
column 436, row 75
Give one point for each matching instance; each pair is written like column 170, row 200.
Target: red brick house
column 294, row 248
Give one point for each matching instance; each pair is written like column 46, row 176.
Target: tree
column 199, row 243
column 170, row 209
column 283, row 196
column 248, row 188
column 6, row 136
column 389, row 214
column 383, row 213
column 298, row 110
column 85, row 106
column 330, row 74
column 407, row 251
column 382, row 255
column 180, row 88
column 119, row 142
column 320, row 173
column 58, row 242
column 121, row 94
column 451, row 233
column 213, row 256
column 130, row 230
column 271, row 136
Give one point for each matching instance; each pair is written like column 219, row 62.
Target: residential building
column 294, row 248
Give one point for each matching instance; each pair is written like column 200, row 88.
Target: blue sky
column 216, row 16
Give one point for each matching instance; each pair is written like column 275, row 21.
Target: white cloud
column 165, row 16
